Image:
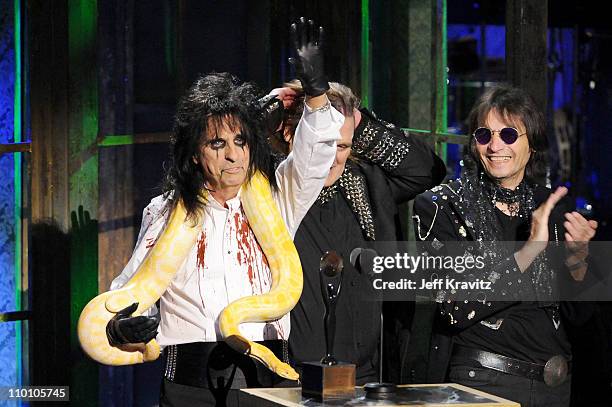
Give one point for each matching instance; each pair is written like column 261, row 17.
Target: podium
column 415, row 395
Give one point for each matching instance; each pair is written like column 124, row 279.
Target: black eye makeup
column 219, row 143
column 240, row 140
column 216, row 143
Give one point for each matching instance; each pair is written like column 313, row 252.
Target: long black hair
column 212, row 101
column 512, row 104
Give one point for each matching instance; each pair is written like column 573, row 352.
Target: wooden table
column 430, row 395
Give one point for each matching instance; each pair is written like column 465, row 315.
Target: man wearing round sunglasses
column 503, row 153
column 507, row 336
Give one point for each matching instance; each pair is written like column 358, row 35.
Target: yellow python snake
column 164, row 260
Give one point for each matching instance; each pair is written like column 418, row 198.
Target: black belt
column 553, row 373
column 213, row 365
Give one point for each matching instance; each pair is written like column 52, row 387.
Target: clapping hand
column 578, row 233
column 540, row 217
column 538, row 236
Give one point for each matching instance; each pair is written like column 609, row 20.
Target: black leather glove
column 309, row 63
column 272, row 111
column 123, row 328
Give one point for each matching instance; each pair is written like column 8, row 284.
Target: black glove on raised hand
column 123, row 328
column 309, row 63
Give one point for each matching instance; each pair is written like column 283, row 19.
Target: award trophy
column 329, row 378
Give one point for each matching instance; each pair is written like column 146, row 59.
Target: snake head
column 286, row 371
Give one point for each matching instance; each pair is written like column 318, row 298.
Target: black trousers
column 527, row 392
column 179, row 395
column 212, row 374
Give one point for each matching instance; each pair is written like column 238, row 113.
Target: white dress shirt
column 227, row 263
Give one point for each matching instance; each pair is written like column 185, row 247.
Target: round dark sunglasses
column 508, row 135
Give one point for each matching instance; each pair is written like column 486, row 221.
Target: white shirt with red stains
column 227, row 262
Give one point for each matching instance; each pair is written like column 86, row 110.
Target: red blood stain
column 201, row 250
column 250, row 272
column 244, row 247
column 248, row 248
column 150, row 242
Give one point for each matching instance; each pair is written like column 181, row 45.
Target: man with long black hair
column 219, row 142
column 510, row 337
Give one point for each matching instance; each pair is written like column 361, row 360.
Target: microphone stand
column 361, row 260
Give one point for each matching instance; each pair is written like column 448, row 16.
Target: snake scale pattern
column 164, row 260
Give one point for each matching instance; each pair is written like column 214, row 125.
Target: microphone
column 362, row 258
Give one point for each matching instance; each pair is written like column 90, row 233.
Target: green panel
column 366, row 55
column 17, row 99
column 83, row 131
column 84, row 286
column 441, row 77
column 17, row 131
column 118, row 140
column 83, row 183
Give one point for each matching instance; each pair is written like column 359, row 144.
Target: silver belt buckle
column 555, row 371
